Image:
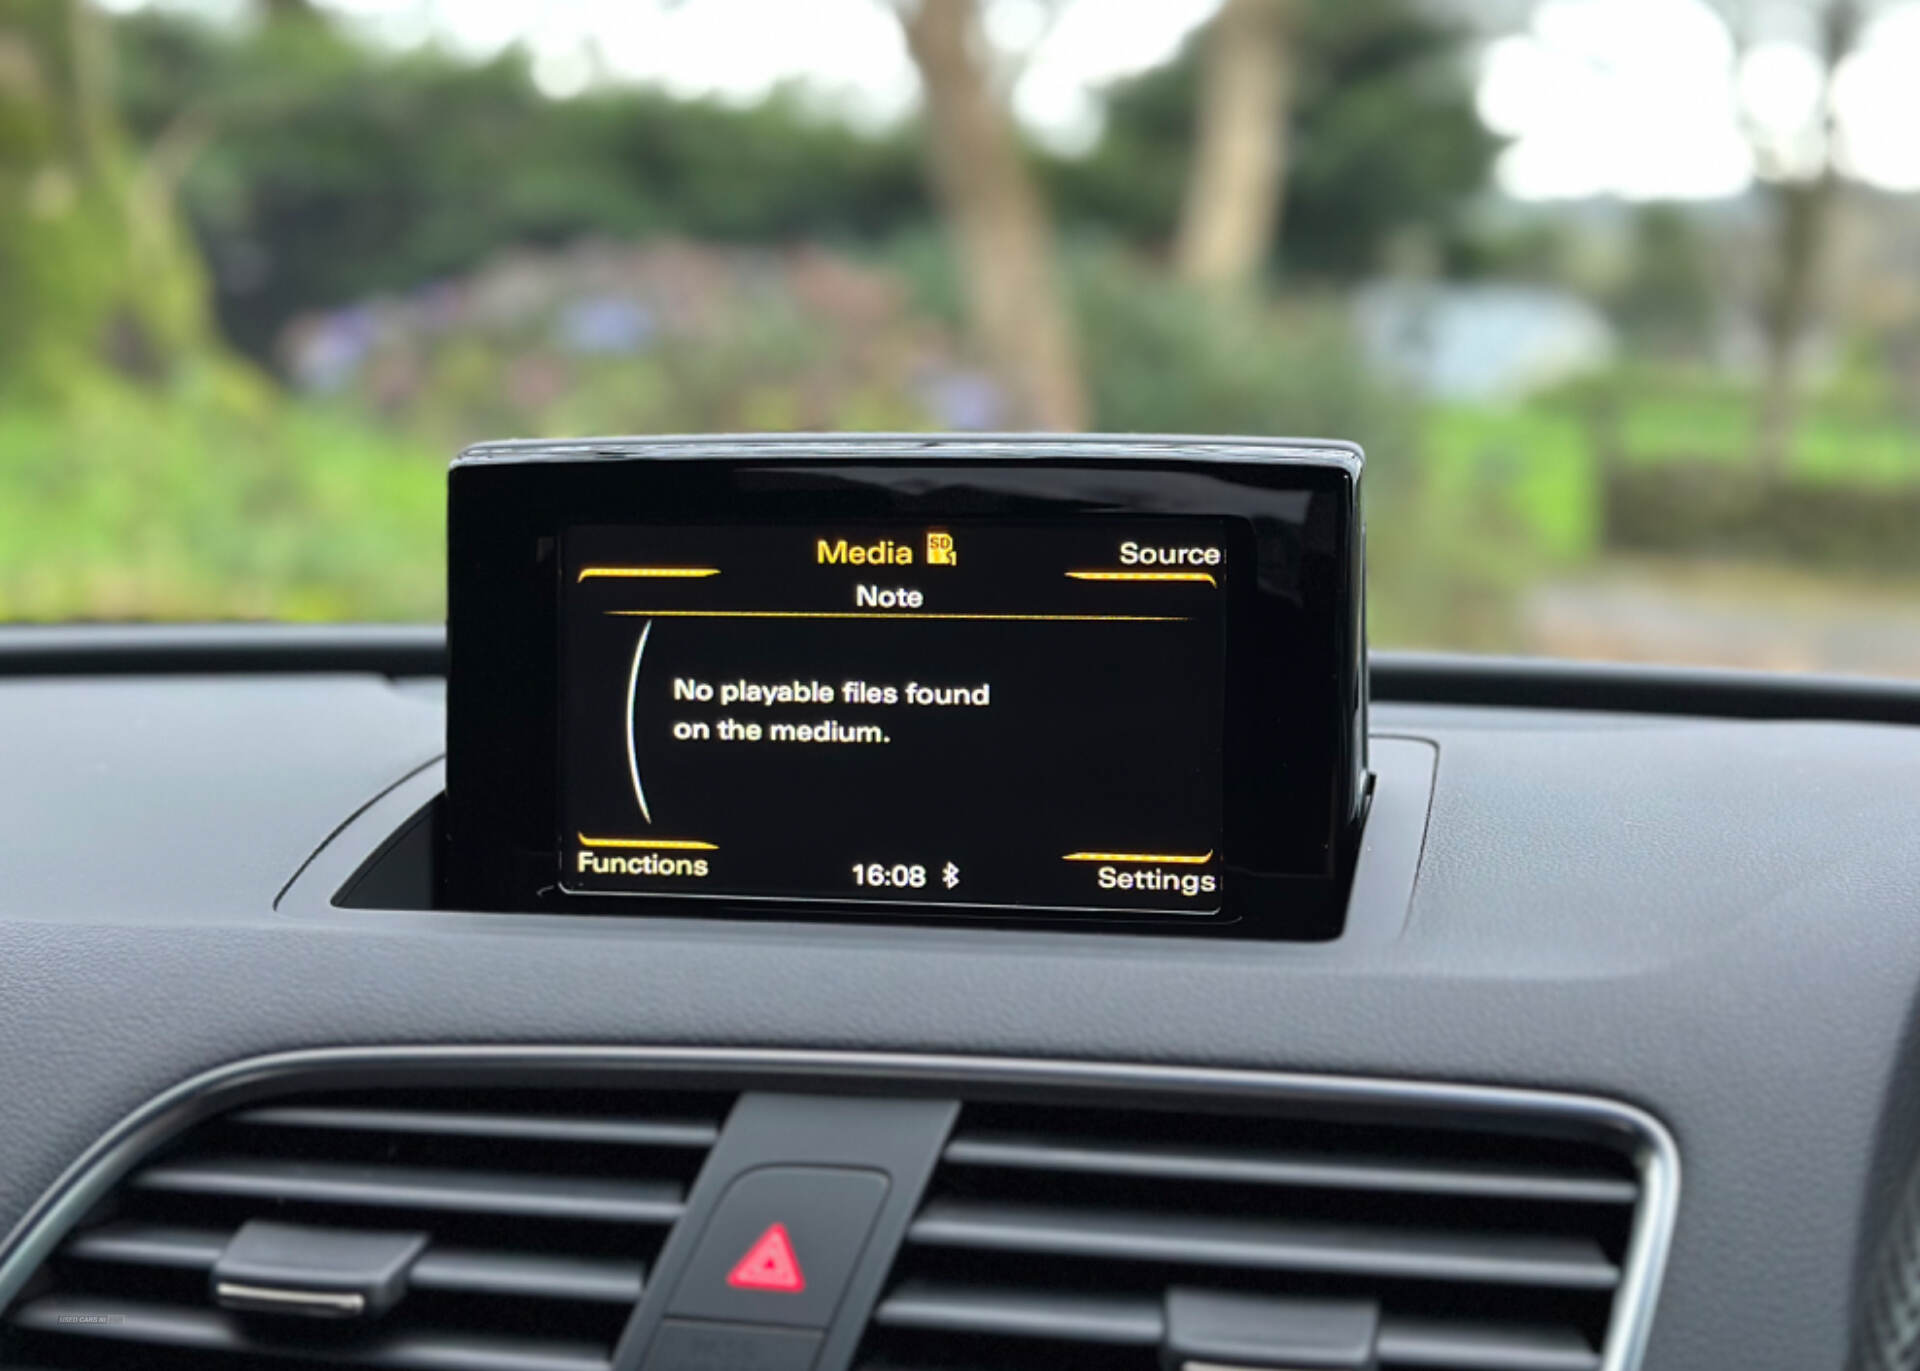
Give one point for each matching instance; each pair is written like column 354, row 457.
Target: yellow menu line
column 671, row 844
column 1170, row 859
column 662, row 573
column 1206, row 576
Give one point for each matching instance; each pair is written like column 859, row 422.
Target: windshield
column 1621, row 296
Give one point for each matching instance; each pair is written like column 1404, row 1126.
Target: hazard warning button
column 770, row 1265
column 781, row 1246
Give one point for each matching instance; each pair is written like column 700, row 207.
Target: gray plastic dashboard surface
column 1711, row 920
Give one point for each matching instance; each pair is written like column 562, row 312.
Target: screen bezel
column 1295, row 732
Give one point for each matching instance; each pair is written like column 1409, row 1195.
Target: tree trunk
column 1803, row 215
column 1001, row 228
column 1233, row 199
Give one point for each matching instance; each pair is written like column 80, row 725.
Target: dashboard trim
column 91, row 1176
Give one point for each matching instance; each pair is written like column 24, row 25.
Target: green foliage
column 1503, row 498
column 668, row 337
column 1708, row 509
column 922, row 257
column 1538, row 249
column 333, row 171
column 1665, row 307
column 143, row 476
column 185, row 506
column 1523, row 477
column 1163, row 358
column 1643, row 457
column 197, row 503
column 1461, row 506
column 1852, row 431
column 1384, row 140
column 326, row 171
column 95, row 272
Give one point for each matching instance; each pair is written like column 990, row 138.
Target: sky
column 1645, row 99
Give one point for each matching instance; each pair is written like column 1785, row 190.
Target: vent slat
column 419, row 1188
column 1120, row 1321
column 1245, row 1166
column 1115, row 1236
column 693, row 1133
column 1491, row 1258
column 454, row 1270
column 1114, row 1320
column 1429, row 1345
column 142, row 1244
column 542, row 1209
column 211, row 1331
column 498, row 1273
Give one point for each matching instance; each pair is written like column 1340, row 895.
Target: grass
column 1530, row 472
column 1529, row 468
column 1507, row 498
column 1834, row 442
column 132, row 508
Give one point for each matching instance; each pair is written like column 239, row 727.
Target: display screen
column 980, row 716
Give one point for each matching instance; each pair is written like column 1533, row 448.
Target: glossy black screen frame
column 1295, row 721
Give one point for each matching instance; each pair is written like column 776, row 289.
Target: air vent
column 508, row 1230
column 1138, row 1240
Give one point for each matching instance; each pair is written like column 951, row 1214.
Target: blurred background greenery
column 265, row 264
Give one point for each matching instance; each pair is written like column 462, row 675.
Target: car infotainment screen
column 1044, row 680
column 977, row 715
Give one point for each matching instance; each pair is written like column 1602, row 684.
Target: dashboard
column 1688, row 896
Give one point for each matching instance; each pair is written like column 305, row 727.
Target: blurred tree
column 1800, row 175
column 327, row 171
column 1540, row 249
column 1239, row 159
column 1166, row 357
column 1382, row 136
column 1665, row 305
column 1001, row 226
column 95, row 270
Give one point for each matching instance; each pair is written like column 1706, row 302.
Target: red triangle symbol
column 769, row 1265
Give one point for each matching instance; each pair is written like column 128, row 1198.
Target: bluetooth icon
column 950, row 876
